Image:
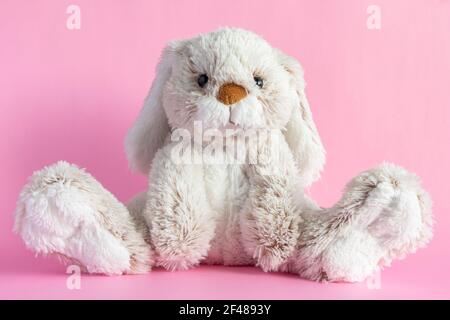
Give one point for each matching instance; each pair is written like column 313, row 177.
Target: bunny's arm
column 270, row 219
column 177, row 211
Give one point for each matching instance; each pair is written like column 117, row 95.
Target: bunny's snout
column 231, row 93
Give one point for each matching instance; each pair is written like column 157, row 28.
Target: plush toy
column 231, row 83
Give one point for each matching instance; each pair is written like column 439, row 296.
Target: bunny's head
column 226, row 79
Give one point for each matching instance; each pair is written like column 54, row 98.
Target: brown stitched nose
column 231, row 93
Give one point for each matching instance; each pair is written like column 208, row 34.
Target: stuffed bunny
column 230, row 213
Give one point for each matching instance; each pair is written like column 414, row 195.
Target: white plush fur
column 64, row 210
column 251, row 213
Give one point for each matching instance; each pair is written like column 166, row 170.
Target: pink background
column 376, row 95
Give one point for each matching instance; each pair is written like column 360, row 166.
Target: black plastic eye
column 259, row 81
column 202, row 80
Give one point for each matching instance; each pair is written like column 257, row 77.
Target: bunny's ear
column 151, row 128
column 301, row 133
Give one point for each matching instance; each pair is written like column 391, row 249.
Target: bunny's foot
column 64, row 211
column 384, row 214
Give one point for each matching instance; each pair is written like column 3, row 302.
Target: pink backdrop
column 376, row 95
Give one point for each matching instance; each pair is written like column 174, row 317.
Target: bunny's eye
column 259, row 81
column 202, row 80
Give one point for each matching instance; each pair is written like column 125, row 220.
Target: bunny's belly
column 227, row 189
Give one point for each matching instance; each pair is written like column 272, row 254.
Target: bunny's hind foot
column 384, row 214
column 63, row 210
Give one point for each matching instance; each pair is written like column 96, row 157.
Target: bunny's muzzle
column 231, row 93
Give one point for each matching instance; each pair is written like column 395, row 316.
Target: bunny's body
column 247, row 212
column 227, row 190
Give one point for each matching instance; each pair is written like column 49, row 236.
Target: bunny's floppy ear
column 151, row 127
column 301, row 133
